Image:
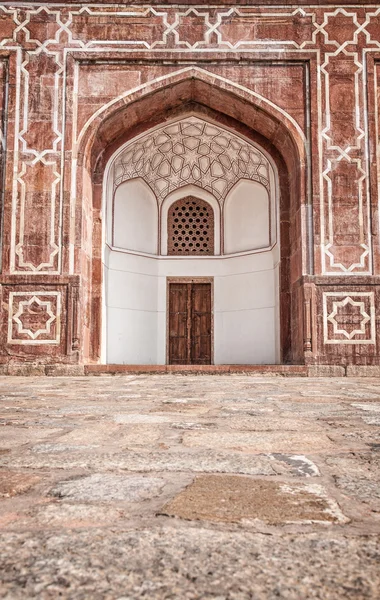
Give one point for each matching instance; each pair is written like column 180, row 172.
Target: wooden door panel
column 201, row 297
column 189, row 326
column 178, row 351
column 201, row 323
column 178, row 323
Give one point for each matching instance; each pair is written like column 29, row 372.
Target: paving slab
column 260, row 442
column 208, row 461
column 13, row 483
column 105, row 488
column 231, row 499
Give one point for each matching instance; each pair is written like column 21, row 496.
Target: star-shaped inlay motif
column 34, row 317
column 349, row 317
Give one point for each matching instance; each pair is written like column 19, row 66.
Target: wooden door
column 189, row 323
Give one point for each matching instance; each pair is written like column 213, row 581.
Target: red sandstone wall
column 64, row 69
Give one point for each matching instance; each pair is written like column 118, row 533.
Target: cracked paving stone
column 357, row 464
column 232, row 499
column 106, row 488
column 191, row 426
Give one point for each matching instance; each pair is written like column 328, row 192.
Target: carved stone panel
column 34, row 317
column 349, row 317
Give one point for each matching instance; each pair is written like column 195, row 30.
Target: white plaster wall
column 246, row 217
column 246, row 323
column 135, row 217
column 131, row 309
column 246, row 311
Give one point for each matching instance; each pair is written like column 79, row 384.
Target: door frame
column 170, row 280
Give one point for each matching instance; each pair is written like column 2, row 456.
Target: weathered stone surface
column 234, row 499
column 11, row 437
column 300, row 464
column 326, row 371
column 52, row 448
column 371, row 420
column 138, row 419
column 362, row 464
column 257, row 442
column 182, row 407
column 257, row 423
column 373, row 407
column 200, row 461
column 362, row 489
column 106, row 488
column 363, row 371
column 109, row 434
column 169, row 562
column 78, row 515
column 13, row 483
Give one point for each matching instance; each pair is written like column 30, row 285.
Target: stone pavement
column 189, row 487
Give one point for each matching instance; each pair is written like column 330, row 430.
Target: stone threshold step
column 62, row 370
column 295, row 370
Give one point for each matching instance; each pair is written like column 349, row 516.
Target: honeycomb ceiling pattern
column 191, row 151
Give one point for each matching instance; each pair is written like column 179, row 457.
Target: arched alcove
column 230, row 106
column 135, row 217
column 192, row 295
column 248, row 218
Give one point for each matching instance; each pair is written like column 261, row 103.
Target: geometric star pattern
column 349, row 318
column 339, row 313
column 31, row 313
column 191, row 151
column 34, row 317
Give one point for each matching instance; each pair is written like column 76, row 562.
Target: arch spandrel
column 149, row 104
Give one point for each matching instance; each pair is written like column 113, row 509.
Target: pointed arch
column 230, row 104
column 191, row 74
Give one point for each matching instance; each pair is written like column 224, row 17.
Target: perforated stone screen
column 191, row 227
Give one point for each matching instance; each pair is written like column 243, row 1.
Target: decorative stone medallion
column 34, row 317
column 349, row 318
